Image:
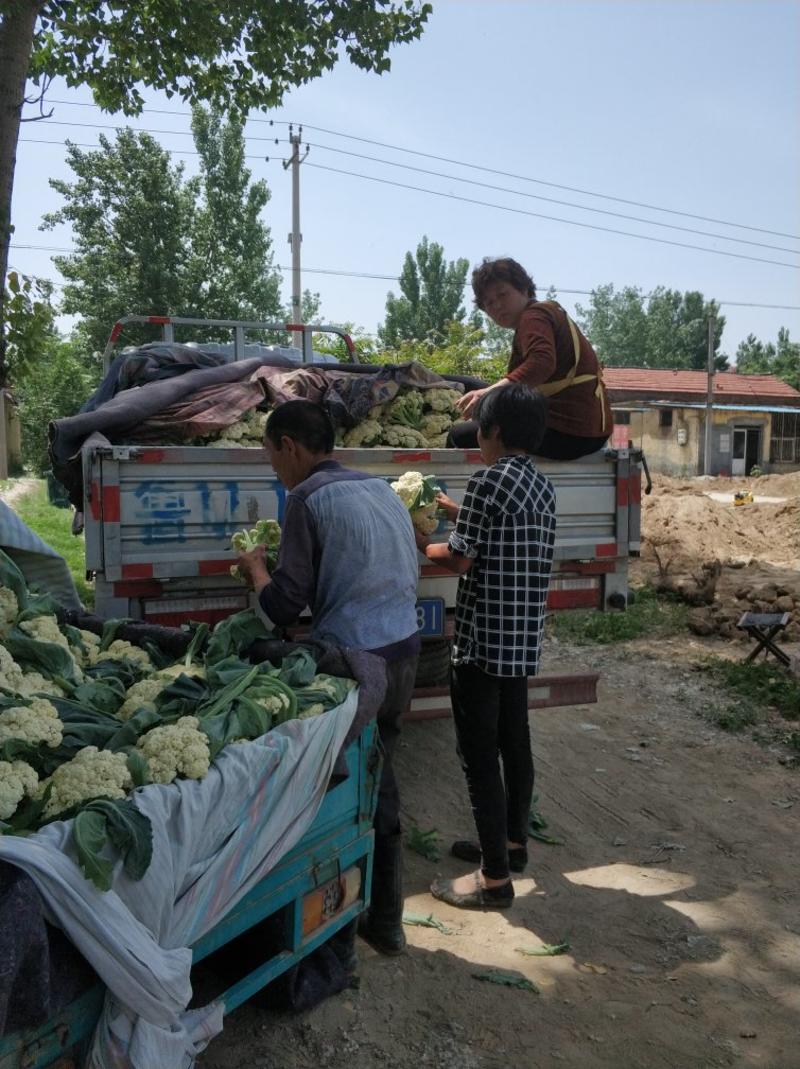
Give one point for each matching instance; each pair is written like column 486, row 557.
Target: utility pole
column 295, row 237
column 712, row 324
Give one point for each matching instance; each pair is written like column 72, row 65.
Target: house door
column 746, row 449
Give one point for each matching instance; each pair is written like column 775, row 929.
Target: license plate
column 430, row 616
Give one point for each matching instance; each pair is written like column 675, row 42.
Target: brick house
column 756, row 420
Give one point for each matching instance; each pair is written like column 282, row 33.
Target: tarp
column 203, row 401
column 214, row 839
column 38, row 562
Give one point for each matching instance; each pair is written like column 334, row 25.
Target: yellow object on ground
column 743, row 497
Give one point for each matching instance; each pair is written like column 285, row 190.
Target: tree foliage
column 30, row 321
column 665, row 329
column 754, row 357
column 431, row 294
column 232, row 56
column 149, row 241
column 459, row 349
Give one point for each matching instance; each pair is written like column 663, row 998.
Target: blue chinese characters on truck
column 163, row 513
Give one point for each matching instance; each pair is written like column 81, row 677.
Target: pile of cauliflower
column 415, row 419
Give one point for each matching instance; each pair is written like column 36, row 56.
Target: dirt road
column 676, row 887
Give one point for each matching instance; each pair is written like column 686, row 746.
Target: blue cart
column 318, row 888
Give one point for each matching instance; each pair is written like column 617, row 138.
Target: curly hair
column 503, row 269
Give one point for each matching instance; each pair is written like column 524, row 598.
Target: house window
column 785, row 441
column 621, row 417
column 665, row 417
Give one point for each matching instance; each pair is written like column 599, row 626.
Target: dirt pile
column 682, row 526
column 757, row 594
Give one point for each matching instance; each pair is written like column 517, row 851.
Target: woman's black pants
column 491, row 721
column 554, row 446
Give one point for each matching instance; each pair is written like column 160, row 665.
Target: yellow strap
column 549, row 389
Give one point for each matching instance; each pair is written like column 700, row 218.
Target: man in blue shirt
column 348, row 553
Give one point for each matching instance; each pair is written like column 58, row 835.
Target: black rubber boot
column 382, row 925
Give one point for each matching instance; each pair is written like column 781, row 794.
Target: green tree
column 666, row 329
column 431, row 294
column 233, row 56
column 230, row 273
column 754, row 357
column 458, row 350
column 131, row 214
column 30, row 321
column 54, row 386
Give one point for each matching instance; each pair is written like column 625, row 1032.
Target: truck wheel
column 433, row 668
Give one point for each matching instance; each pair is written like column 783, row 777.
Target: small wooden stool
column 763, row 627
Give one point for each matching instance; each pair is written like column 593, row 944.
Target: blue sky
column 688, row 106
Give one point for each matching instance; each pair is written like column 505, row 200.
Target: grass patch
column 54, row 526
column 762, row 686
column 649, row 616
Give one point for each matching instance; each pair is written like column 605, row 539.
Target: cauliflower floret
column 120, row 650
column 34, row 683
column 437, row 441
column 91, row 773
column 442, row 400
column 403, row 437
column 237, row 430
column 91, row 642
column 225, row 443
column 175, row 670
column 313, row 710
column 141, row 695
column 436, row 423
column 34, row 723
column 367, row 434
column 406, row 409
column 45, row 629
column 176, row 748
column 17, row 779
column 425, row 519
column 408, row 487
column 10, row 671
column 9, row 609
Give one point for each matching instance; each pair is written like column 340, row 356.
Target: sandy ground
column 676, row 888
column 18, row 488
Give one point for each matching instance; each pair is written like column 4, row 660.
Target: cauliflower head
column 87, row 656
column 17, row 780
column 141, row 695
column 45, row 629
column 121, row 650
column 406, row 409
column 10, row 671
column 436, row 423
column 173, row 749
column 408, row 487
column 9, row 609
column 36, row 723
column 442, row 399
column 317, row 709
column 91, row 773
column 35, row 683
column 403, row 437
column 437, row 441
column 367, row 433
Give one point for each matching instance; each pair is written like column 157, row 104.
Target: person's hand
column 466, row 404
column 253, row 566
column 447, row 505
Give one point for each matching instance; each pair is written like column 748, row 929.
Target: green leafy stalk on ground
column 54, row 526
column 649, row 616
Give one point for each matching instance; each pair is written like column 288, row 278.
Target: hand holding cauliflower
column 418, row 494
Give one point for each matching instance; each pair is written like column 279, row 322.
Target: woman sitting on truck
column 549, row 354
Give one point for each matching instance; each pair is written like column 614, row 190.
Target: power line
column 452, row 178
column 554, row 200
column 553, row 218
column 478, row 167
column 396, row 278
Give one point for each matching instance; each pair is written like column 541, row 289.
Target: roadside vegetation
column 649, row 615
column 763, row 697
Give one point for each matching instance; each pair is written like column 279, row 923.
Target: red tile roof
column 629, row 382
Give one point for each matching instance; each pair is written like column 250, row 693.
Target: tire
column 433, row 668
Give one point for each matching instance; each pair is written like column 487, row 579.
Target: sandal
column 500, row 897
column 469, row 850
